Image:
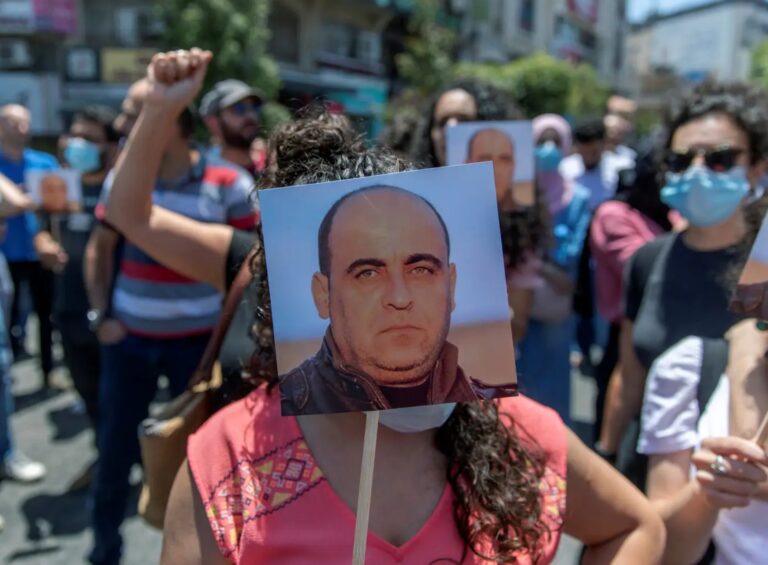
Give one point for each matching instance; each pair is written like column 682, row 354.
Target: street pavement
column 46, row 525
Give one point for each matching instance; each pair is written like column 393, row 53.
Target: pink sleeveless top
column 268, row 502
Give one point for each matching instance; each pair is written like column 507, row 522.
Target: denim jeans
column 6, row 358
column 129, row 373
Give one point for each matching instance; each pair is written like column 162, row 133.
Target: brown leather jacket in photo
column 322, row 385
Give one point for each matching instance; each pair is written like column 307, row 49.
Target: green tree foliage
column 236, row 31
column 540, row 83
column 759, row 69
column 429, row 49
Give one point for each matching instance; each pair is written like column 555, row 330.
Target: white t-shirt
column 669, row 424
column 600, row 181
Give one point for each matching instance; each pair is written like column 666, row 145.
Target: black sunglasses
column 244, row 106
column 719, row 159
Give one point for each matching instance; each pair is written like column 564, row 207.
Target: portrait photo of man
column 384, row 286
column 509, row 146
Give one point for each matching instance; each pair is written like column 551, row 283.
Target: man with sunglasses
column 677, row 286
column 232, row 112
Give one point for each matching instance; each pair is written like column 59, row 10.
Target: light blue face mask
column 82, row 155
column 417, row 418
column 548, row 157
column 703, row 197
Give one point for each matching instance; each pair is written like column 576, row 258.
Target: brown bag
column 163, row 438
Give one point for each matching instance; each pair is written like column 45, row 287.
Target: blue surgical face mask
column 703, row 197
column 417, row 418
column 548, row 157
column 82, row 155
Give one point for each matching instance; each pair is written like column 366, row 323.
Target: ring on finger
column 719, row 466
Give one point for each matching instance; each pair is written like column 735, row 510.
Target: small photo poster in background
column 388, row 291
column 751, row 295
column 508, row 145
column 56, row 191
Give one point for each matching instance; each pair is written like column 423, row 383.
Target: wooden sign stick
column 761, row 438
column 366, row 484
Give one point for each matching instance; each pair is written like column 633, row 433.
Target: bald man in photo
column 387, row 286
column 494, row 145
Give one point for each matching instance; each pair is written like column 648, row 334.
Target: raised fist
column 175, row 77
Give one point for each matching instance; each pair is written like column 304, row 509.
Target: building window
column 285, row 29
column 339, row 39
column 527, row 15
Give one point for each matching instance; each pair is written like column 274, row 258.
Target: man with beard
column 232, row 112
column 387, row 285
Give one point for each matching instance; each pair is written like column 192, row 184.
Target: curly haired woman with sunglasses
column 676, row 285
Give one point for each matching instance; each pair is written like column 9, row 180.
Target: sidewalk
column 43, row 523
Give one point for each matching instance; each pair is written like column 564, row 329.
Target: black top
column 72, row 231
column 237, row 348
column 673, row 292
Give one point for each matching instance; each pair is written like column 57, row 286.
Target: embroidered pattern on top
column 255, row 488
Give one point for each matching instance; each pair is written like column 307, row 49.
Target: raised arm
column 194, row 249
column 607, row 513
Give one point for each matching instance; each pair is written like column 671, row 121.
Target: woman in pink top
column 619, row 228
column 478, row 482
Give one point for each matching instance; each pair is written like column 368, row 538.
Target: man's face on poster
column 494, row 145
column 389, row 292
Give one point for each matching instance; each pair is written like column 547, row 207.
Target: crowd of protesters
column 623, row 265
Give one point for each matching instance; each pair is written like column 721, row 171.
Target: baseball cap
column 225, row 93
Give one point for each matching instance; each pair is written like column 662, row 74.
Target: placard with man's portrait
column 508, row 145
column 388, row 291
column 751, row 295
column 55, row 191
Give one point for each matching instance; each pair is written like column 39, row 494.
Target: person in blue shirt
column 543, row 365
column 19, row 246
column 14, row 464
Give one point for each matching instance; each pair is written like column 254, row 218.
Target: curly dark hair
column 495, row 478
column 491, row 102
column 745, row 104
column 524, row 232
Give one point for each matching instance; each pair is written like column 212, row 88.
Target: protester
column 524, row 228
column 619, row 125
column 20, row 247
column 166, row 319
column 511, row 511
column 232, row 112
column 674, row 286
column 544, row 369
column 591, row 166
column 89, row 147
column 726, row 500
column 14, row 464
column 619, row 228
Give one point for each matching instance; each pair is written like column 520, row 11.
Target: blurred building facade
column 670, row 52
column 591, row 31
column 59, row 55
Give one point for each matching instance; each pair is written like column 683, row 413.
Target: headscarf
column 556, row 190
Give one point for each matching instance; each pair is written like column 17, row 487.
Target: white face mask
column 416, row 418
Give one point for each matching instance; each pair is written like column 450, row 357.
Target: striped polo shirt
column 154, row 301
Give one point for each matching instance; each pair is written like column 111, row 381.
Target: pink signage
column 55, row 15
column 584, row 9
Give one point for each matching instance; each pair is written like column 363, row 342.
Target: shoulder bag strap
column 204, row 370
